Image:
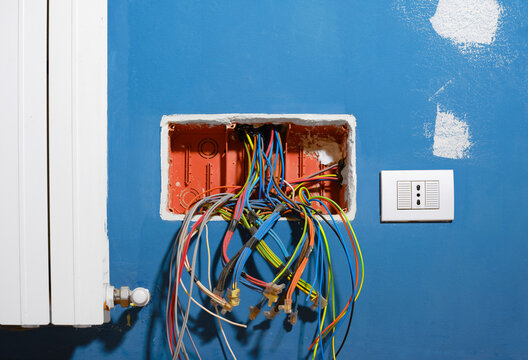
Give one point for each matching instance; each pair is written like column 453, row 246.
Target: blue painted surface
column 432, row 291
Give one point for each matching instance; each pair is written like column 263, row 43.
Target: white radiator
column 53, row 267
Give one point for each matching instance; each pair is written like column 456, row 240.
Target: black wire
column 227, row 270
column 348, row 327
column 353, row 302
column 294, row 212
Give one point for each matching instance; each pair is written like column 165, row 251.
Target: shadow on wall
column 199, row 326
column 203, row 328
column 60, row 342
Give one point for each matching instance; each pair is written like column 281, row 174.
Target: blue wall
column 432, row 291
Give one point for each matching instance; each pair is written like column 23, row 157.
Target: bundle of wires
column 257, row 206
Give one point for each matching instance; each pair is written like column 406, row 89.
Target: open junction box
column 200, row 153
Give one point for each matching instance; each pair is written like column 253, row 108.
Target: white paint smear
column 467, row 23
column 451, row 136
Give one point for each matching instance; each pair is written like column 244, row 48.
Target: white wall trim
column 78, row 160
column 349, row 172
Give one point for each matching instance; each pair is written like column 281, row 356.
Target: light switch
column 417, row 196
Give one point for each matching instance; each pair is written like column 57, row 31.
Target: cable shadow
column 159, row 296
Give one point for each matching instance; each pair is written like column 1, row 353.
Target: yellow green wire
column 355, row 240
column 296, row 248
column 330, row 287
column 268, row 254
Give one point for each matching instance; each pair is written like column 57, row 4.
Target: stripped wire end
column 233, row 297
column 254, row 311
column 315, row 303
column 272, row 291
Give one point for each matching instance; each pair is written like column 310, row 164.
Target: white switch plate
column 417, row 196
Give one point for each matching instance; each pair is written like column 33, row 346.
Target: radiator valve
column 126, row 297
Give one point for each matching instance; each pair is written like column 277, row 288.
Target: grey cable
column 208, row 214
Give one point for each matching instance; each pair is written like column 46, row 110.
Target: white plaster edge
column 349, row 172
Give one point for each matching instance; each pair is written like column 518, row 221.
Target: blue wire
column 273, row 164
column 277, row 240
column 267, row 193
column 349, row 264
column 241, row 260
column 303, row 239
column 282, row 160
column 265, row 227
column 340, row 239
column 279, row 243
column 261, row 232
column 319, row 249
column 321, row 266
column 261, row 179
column 250, row 285
column 250, row 190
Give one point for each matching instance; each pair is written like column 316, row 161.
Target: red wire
column 227, row 240
column 308, row 179
column 177, row 282
column 186, row 248
column 270, row 144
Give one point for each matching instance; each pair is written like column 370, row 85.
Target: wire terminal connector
column 287, row 306
column 226, row 308
column 271, row 313
column 315, row 303
column 218, row 300
column 254, row 311
column 292, row 318
column 272, row 291
column 233, row 297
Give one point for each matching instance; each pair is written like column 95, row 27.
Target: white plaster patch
column 451, row 136
column 327, row 151
column 467, row 23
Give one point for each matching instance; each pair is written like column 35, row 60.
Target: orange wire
column 333, row 323
column 300, row 270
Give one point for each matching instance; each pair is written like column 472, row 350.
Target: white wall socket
column 417, row 195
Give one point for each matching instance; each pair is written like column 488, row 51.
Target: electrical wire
column 255, row 207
